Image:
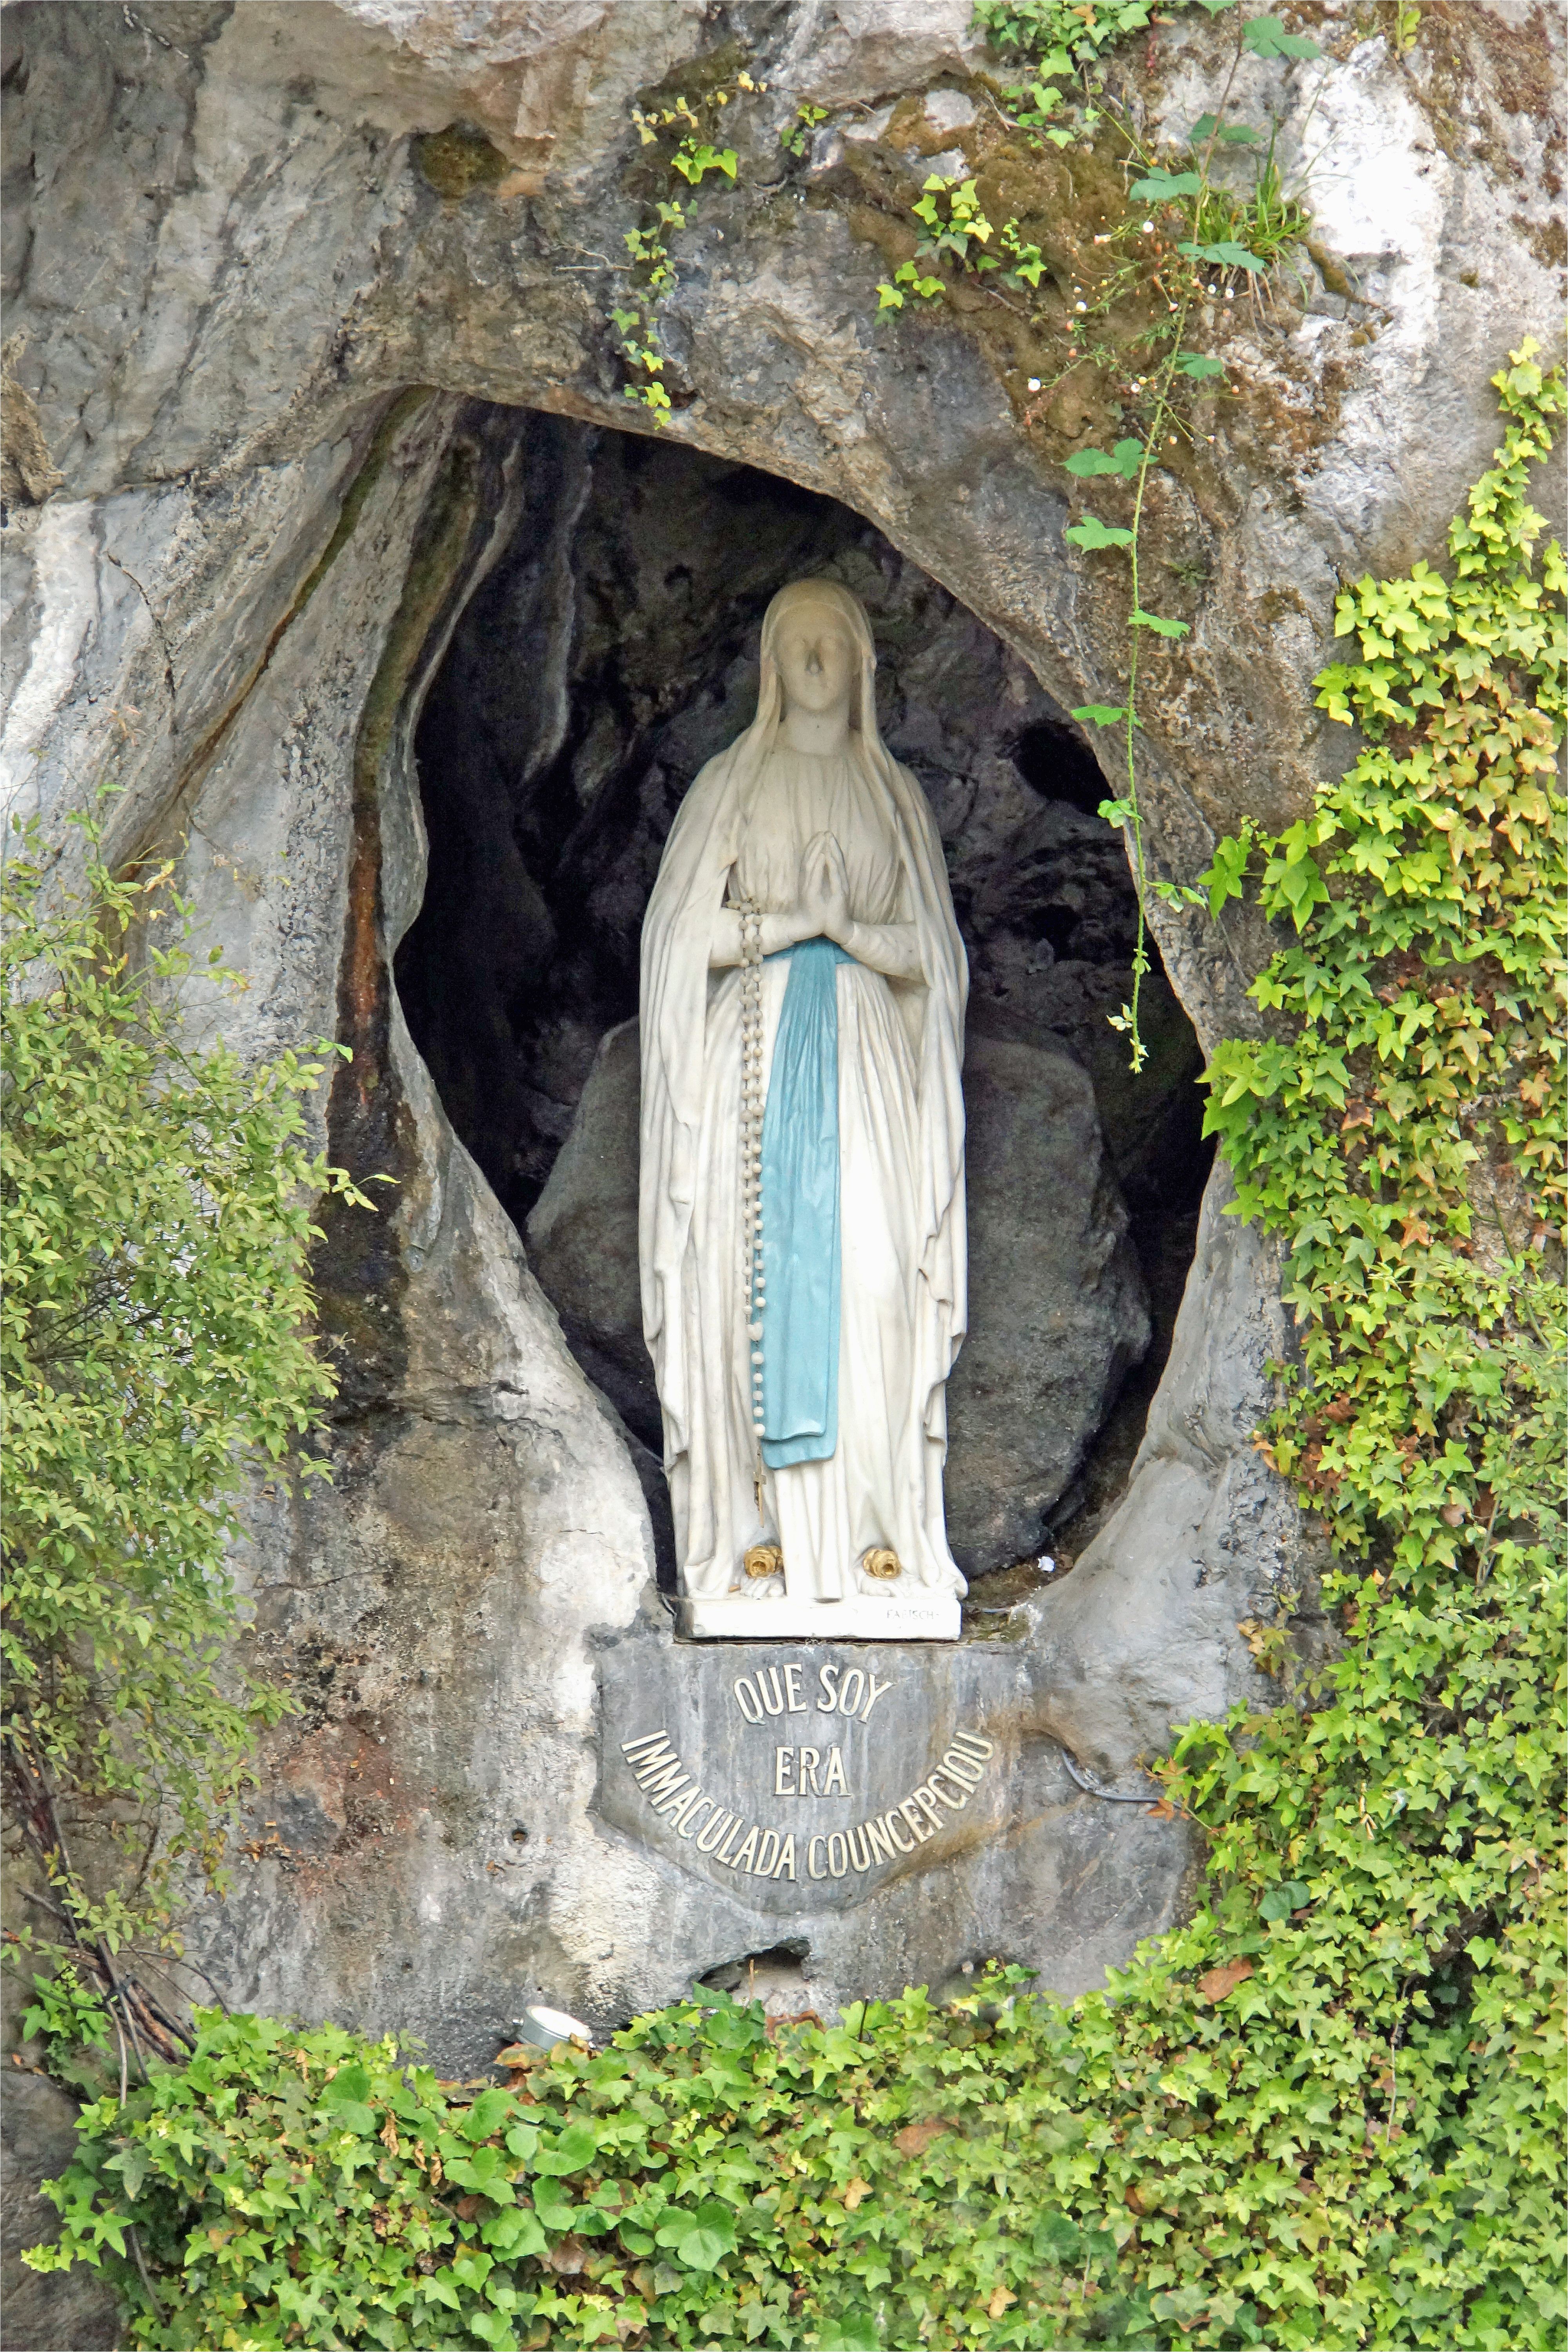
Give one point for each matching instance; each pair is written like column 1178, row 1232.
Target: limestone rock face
column 1057, row 1305
column 276, row 396
column 583, row 1235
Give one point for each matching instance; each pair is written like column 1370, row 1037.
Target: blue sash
column 800, row 1215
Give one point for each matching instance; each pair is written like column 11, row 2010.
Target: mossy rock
column 458, row 159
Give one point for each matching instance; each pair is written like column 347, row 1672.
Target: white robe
column 901, row 1296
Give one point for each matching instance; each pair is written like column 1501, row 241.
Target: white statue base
column 865, row 1617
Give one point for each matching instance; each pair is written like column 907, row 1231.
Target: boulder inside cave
column 608, row 653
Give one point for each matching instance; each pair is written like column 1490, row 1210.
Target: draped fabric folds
column 801, row 1236
column 901, row 1053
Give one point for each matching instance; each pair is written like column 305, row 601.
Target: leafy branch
column 155, row 1338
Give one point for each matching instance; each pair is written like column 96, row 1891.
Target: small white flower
column 1081, row 306
column 1148, row 229
column 1034, row 383
column 1230, row 294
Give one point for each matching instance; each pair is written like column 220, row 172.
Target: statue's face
column 817, row 659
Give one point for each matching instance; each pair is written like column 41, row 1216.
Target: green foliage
column 794, row 135
column 653, row 273
column 155, row 1342
column 67, row 2016
column 1423, row 998
column 1060, row 40
column 950, row 212
column 694, row 157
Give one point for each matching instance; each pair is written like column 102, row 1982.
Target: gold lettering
column 838, row 1864
column 792, row 1679
column 963, row 1767
column 847, row 1706
column 811, row 1862
column 914, row 1820
column 710, row 1836
column 734, row 1833
column 764, row 1865
column 658, row 1782
column 827, row 1689
column 786, row 1858
column 678, row 1806
column 973, row 1744
column 809, row 1760
column 746, row 1858
column 833, row 1776
column 860, row 1855
column 881, row 1843
column 923, row 1798
column 768, row 1678
column 873, row 1693
column 783, row 1766
column 890, row 1824
column 745, row 1689
column 650, row 1740
column 953, row 1804
column 696, row 1809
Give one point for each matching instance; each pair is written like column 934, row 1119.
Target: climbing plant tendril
column 1225, row 237
column 1327, row 2113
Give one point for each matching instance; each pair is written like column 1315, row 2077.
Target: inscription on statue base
column 805, row 1778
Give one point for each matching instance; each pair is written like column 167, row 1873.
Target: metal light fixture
column 543, row 2028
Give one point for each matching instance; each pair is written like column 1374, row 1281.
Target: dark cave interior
column 609, row 651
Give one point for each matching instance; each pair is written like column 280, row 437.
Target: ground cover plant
column 1327, row 2111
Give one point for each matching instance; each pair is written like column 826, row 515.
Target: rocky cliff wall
column 249, row 313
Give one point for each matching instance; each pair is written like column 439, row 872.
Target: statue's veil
column 676, row 935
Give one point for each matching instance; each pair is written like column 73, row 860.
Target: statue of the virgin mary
column 802, row 1216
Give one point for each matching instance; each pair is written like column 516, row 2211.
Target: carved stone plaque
column 802, row 1776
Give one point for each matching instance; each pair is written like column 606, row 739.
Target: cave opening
column 608, row 653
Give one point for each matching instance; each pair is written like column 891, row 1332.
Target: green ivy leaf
column 1099, row 714
column 1208, row 126
column 1280, row 1901
column 491, row 2328
column 1093, row 534
column 1198, row 365
column 1157, row 188
column 1057, row 2239
column 514, row 2233
column 487, row 2115
column 1225, row 255
column 1124, row 459
column 1265, row 37
column 855, row 2331
column 700, row 2240
column 572, row 2152
column 1161, row 626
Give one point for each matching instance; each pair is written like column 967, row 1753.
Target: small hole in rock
column 777, row 1978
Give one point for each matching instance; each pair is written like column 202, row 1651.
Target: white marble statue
column 802, row 1226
